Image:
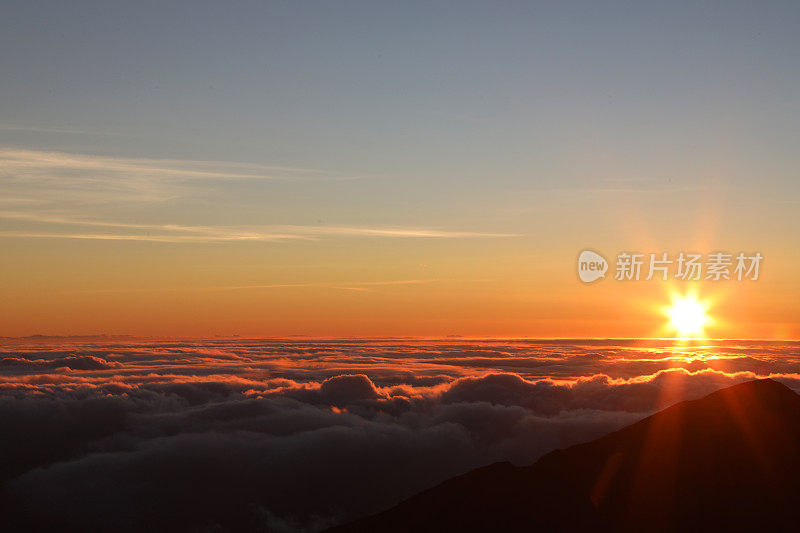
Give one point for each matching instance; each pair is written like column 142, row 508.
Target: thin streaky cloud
column 243, row 237
column 226, row 233
column 13, row 200
column 47, row 219
column 401, row 282
column 156, row 238
column 389, row 232
column 41, row 129
column 347, row 285
column 37, row 162
column 81, row 180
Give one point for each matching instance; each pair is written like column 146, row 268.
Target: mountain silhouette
column 730, row 460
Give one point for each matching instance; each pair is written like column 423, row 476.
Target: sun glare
column 688, row 316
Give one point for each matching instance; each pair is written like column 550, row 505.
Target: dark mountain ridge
column 729, row 460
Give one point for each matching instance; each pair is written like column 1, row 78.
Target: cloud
column 346, row 389
column 86, row 362
column 353, row 285
column 299, row 435
column 215, row 236
column 243, row 234
column 59, row 189
column 42, row 129
column 73, row 183
column 176, row 233
column 36, row 164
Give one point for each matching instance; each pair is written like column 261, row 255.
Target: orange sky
column 342, row 288
column 171, row 268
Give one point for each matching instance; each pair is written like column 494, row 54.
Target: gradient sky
column 249, row 168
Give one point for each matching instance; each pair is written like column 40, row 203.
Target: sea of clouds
column 298, row 435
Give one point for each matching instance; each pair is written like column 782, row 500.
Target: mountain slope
column 728, row 460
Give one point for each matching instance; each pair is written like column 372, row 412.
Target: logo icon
column 591, row 266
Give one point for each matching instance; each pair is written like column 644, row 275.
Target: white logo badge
column 591, row 266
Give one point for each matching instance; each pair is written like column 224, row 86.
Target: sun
column 688, row 316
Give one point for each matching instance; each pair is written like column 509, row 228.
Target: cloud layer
column 295, row 435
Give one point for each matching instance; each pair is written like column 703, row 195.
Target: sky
column 387, row 169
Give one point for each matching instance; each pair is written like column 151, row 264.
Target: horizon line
column 453, row 337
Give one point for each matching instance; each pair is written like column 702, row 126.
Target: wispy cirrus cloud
column 42, row 129
column 52, row 176
column 59, row 195
column 38, row 163
column 342, row 285
column 177, row 233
